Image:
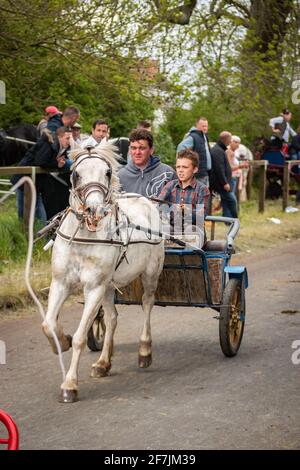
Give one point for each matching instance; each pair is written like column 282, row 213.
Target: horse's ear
column 74, row 178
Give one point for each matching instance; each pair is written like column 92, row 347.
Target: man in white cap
column 76, row 133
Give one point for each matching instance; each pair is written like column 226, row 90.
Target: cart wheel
column 232, row 318
column 96, row 332
column 12, row 441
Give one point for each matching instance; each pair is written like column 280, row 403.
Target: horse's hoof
column 98, row 372
column 68, row 396
column 145, row 361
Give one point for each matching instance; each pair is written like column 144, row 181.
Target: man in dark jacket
column 197, row 140
column 144, row 173
column 221, row 175
column 70, row 115
column 49, row 152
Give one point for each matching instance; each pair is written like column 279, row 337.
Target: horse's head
column 94, row 180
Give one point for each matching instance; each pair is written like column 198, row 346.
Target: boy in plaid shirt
column 188, row 196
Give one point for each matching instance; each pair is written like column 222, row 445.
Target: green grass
column 13, row 251
column 257, row 231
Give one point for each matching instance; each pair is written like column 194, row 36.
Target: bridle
column 81, row 192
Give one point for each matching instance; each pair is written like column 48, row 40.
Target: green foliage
column 164, row 146
column 13, row 239
column 66, row 53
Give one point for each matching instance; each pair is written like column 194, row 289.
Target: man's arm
column 187, row 143
column 218, row 163
column 273, row 122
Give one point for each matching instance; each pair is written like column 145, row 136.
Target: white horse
column 99, row 247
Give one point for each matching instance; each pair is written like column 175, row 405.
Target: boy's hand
column 60, row 161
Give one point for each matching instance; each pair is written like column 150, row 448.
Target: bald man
column 221, row 176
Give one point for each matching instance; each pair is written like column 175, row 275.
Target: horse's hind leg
column 103, row 365
column 57, row 295
column 145, row 346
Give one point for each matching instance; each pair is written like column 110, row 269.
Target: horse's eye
column 108, row 173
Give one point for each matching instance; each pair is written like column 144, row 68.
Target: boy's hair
column 190, row 155
column 141, row 134
column 62, row 130
column 100, row 122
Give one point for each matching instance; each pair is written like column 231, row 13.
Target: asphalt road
column 192, row 397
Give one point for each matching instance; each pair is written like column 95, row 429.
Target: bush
column 164, row 146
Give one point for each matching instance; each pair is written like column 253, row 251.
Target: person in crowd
column 49, row 152
column 281, row 128
column 197, row 140
column 144, row 174
column 187, row 195
column 236, row 165
column 54, row 187
column 49, row 112
column 70, row 115
column 294, row 147
column 76, row 133
column 100, row 131
column 221, row 176
column 294, row 154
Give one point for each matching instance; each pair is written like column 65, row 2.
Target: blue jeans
column 234, row 181
column 229, row 204
column 40, row 212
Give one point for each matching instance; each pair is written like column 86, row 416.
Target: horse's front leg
column 57, row 295
column 93, row 299
column 103, row 365
column 145, row 345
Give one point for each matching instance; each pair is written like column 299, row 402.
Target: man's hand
column 227, row 187
column 61, row 161
column 275, row 130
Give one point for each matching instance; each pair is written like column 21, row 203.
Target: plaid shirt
column 195, row 193
column 191, row 200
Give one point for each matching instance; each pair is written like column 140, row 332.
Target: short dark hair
column 71, row 111
column 100, row 122
column 201, row 118
column 286, row 111
column 62, row 130
column 141, row 134
column 144, row 125
column 190, row 155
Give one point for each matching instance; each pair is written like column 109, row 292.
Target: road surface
column 192, row 397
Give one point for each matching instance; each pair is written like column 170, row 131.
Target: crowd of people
column 200, row 169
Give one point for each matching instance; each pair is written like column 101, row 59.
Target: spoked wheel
column 232, row 317
column 96, row 332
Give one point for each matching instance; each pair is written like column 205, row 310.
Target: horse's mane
column 109, row 152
